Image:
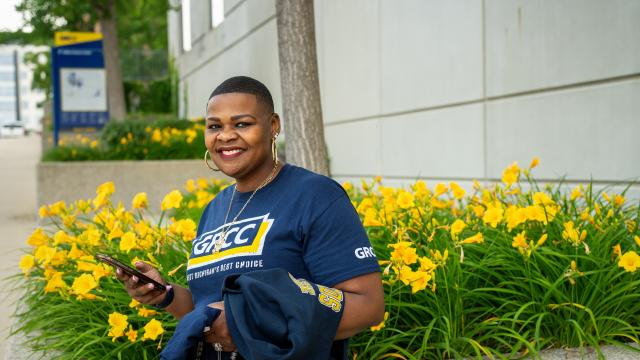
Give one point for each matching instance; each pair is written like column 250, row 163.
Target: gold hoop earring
column 206, row 153
column 274, row 151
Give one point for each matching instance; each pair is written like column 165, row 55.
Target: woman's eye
column 242, row 124
column 213, row 127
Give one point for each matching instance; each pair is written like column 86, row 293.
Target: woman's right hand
column 141, row 292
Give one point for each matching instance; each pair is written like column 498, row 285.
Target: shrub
column 148, row 96
column 505, row 270
column 135, row 140
column 72, row 304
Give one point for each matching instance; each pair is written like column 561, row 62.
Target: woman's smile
column 229, row 152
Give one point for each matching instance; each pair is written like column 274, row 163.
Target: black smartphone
column 130, row 271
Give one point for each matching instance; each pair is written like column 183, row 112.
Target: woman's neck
column 258, row 178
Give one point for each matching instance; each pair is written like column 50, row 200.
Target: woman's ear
column 275, row 124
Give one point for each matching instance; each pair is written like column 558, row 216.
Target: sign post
column 79, row 82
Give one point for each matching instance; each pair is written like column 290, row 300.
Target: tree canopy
column 141, row 23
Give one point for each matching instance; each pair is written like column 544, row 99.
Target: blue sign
column 79, row 86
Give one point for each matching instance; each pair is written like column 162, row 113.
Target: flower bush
column 72, row 303
column 507, row 270
column 134, row 140
column 503, row 270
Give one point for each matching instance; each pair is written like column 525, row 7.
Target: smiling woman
column 241, row 129
column 276, row 216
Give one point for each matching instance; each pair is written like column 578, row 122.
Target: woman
column 276, row 216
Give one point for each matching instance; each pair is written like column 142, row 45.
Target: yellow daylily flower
column 153, row 329
column 520, row 241
column 171, row 201
column 55, row 282
column 457, row 227
column 475, row 239
column 37, row 238
column 511, row 174
column 630, row 261
column 381, row 325
column 82, row 285
column 403, row 253
column 118, row 324
column 457, row 190
column 405, row 200
column 144, row 312
column 131, row 334
column 27, row 263
column 128, row 242
column 493, row 216
column 139, row 201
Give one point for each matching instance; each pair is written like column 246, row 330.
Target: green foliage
column 148, row 96
column 41, row 64
column 499, row 298
column 16, row 37
column 529, row 268
column 142, row 24
column 68, row 317
column 162, row 139
column 46, row 17
column 73, row 153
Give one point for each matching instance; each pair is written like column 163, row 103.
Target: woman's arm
column 364, row 304
column 364, row 307
column 182, row 302
column 144, row 293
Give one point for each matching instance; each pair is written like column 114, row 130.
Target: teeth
column 230, row 152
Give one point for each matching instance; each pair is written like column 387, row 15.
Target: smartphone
column 130, row 271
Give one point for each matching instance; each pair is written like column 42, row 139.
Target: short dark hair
column 246, row 85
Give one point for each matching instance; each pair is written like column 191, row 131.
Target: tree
column 140, row 23
column 106, row 24
column 302, row 109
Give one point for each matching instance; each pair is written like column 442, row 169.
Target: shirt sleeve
column 336, row 246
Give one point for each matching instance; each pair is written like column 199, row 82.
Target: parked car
column 12, row 129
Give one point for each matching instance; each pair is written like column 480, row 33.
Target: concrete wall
column 70, row 181
column 452, row 89
column 244, row 44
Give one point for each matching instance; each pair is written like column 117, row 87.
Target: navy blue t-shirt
column 301, row 222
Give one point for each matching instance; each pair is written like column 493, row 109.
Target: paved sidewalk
column 18, row 159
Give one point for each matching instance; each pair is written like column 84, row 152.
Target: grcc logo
column 364, row 252
column 206, row 242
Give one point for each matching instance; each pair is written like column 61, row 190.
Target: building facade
column 18, row 102
column 444, row 90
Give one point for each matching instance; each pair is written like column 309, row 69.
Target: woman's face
column 238, row 133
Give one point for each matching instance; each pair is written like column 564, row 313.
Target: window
column 217, row 12
column 186, row 25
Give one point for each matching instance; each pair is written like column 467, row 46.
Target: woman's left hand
column 219, row 332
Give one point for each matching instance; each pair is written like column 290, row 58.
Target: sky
column 9, row 19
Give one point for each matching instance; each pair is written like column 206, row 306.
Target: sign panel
column 83, row 89
column 79, row 82
column 62, row 38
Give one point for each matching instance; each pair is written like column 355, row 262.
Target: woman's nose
column 226, row 134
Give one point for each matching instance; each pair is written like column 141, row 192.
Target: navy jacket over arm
column 272, row 315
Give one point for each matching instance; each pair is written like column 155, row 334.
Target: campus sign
column 79, row 82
